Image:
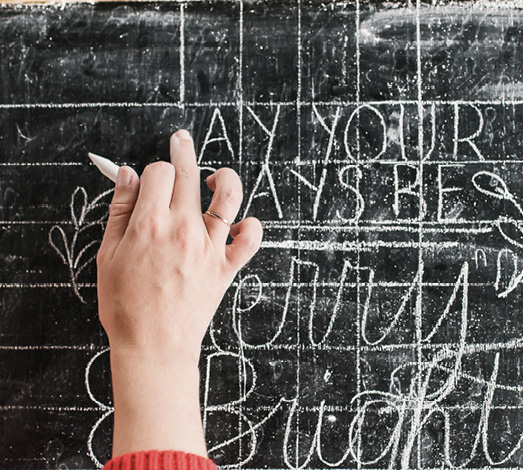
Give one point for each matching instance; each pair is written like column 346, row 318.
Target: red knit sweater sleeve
column 160, row 460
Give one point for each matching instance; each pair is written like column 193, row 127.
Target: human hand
column 163, row 268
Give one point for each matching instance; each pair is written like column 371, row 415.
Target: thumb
column 122, row 206
column 247, row 236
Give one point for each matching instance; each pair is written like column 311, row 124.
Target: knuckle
column 188, row 171
column 162, row 165
column 101, row 257
column 252, row 245
column 149, row 226
column 256, row 232
column 228, row 174
column 157, row 167
column 256, row 223
column 231, row 196
column 185, row 234
column 231, row 192
column 118, row 209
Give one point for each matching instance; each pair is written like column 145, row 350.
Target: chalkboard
column 380, row 325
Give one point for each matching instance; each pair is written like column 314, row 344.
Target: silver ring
column 218, row 216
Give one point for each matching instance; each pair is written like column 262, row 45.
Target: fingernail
column 184, row 134
column 124, row 177
column 175, row 143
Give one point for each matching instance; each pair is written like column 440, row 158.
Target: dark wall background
column 379, row 143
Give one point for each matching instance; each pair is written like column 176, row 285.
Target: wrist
column 175, row 359
column 156, row 402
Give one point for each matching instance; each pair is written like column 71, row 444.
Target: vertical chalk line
column 299, row 88
column 358, row 85
column 419, row 304
column 298, row 159
column 240, row 88
column 358, row 253
column 299, row 234
column 241, row 377
column 182, row 54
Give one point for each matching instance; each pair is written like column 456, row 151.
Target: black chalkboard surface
column 380, row 326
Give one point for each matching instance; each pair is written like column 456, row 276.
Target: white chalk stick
column 106, row 166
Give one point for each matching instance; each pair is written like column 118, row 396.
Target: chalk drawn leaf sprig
column 84, row 214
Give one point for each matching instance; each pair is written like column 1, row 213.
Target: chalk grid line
column 242, row 382
column 419, row 303
column 359, row 385
column 299, row 255
column 265, row 104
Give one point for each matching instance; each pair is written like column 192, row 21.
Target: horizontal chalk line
column 272, row 284
column 234, row 104
column 74, row 347
column 511, row 344
column 483, row 347
column 43, row 285
column 308, row 223
column 254, row 409
column 351, row 246
column 49, row 408
column 353, row 409
column 42, row 164
column 303, row 163
column 36, row 222
column 396, row 226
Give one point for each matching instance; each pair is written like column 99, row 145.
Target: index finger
column 186, row 193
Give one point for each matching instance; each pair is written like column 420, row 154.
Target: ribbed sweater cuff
column 160, row 460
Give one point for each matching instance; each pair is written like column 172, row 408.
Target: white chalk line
column 332, row 408
column 58, row 409
column 42, row 164
column 240, row 103
column 419, row 302
column 36, row 222
column 182, row 54
column 508, row 345
column 359, row 383
column 379, row 348
column 298, row 328
column 351, row 409
column 480, row 4
column 303, row 163
column 377, row 223
column 234, row 104
column 299, row 84
column 315, row 245
column 407, row 228
column 362, row 283
column 74, row 347
column 46, row 285
column 241, row 363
